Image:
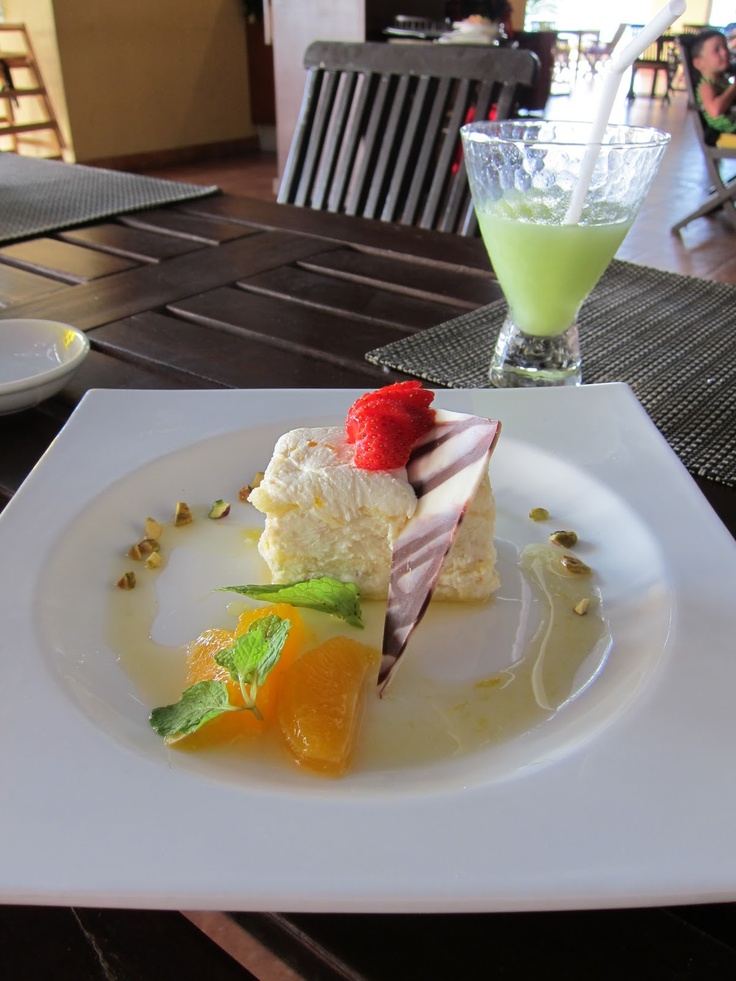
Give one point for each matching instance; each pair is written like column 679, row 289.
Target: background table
column 227, row 292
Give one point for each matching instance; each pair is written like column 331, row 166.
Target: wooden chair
column 378, row 131
column 598, row 53
column 724, row 191
column 660, row 56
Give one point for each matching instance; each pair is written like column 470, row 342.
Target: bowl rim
column 492, row 132
column 55, row 371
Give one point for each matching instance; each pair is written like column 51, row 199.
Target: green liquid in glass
column 546, row 271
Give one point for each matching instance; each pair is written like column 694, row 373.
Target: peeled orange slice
column 201, row 666
column 321, row 703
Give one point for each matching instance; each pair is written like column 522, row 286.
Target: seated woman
column 716, row 93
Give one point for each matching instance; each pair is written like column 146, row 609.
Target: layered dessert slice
column 327, row 514
column 398, row 502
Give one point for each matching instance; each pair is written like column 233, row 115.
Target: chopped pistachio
column 135, row 553
column 126, row 581
column 244, row 492
column 153, row 528
column 220, row 509
column 564, row 538
column 539, row 514
column 154, row 560
column 182, row 515
column 148, row 545
column 574, row 565
column 582, row 607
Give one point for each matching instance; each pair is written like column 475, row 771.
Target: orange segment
column 321, row 703
column 201, row 666
column 200, row 656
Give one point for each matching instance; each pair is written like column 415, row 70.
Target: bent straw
column 620, row 61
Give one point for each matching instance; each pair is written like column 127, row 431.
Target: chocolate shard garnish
column 445, row 468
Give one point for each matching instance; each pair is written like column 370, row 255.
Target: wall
column 698, row 12
column 139, row 77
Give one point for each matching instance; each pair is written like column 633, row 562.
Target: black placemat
column 41, row 196
column 671, row 337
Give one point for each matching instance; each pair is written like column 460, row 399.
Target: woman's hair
column 696, row 45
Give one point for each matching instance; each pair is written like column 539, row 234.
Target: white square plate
column 625, row 796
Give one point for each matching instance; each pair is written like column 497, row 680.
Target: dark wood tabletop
column 226, row 292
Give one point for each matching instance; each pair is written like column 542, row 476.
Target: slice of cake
column 398, row 502
column 325, row 516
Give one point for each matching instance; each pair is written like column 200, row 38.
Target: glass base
column 524, row 361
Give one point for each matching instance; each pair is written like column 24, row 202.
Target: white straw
column 620, row 61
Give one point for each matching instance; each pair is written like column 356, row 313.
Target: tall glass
column 547, row 259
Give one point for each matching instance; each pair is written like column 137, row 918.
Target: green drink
column 546, row 271
column 553, row 209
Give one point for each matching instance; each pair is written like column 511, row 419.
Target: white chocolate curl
column 445, row 468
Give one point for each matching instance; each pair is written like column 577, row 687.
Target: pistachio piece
column 147, row 545
column 126, row 581
column 153, row 528
column 244, row 492
column 135, row 553
column 539, row 514
column 182, row 515
column 220, row 509
column 582, row 607
column 564, row 538
column 154, row 560
column 574, row 565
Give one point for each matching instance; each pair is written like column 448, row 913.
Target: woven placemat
column 41, row 196
column 672, row 338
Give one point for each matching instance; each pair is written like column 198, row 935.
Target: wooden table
column 228, row 292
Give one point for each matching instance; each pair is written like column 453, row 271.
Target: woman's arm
column 715, row 101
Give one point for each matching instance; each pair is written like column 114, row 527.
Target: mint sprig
column 253, row 654
column 248, row 661
column 325, row 594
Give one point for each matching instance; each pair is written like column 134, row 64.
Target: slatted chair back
column 378, row 131
column 658, row 57
column 724, row 192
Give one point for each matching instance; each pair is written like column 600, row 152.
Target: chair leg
column 631, row 94
column 723, row 198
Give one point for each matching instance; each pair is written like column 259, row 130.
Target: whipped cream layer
column 327, row 517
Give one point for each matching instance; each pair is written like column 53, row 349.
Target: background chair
column 724, row 191
column 599, row 52
column 378, row 130
column 660, row 56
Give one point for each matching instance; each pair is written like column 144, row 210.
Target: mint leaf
column 341, row 599
column 250, row 658
column 199, row 703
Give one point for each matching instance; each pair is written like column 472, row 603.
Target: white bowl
column 37, row 357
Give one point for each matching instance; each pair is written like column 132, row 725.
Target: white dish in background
column 37, row 358
column 625, row 798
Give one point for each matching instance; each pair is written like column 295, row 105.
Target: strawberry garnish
column 386, row 423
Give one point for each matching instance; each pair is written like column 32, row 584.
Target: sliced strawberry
column 409, row 393
column 422, row 419
column 384, row 424
column 382, row 449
